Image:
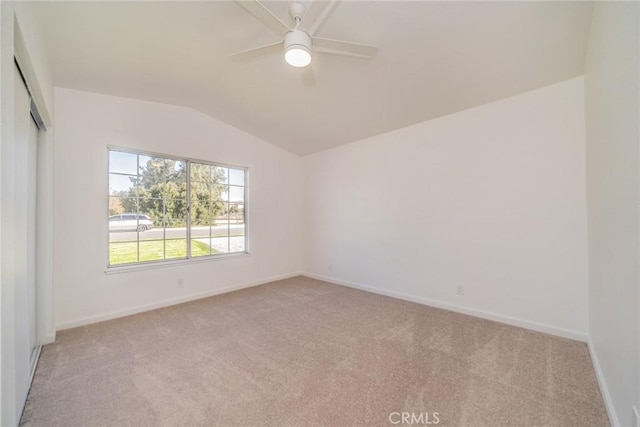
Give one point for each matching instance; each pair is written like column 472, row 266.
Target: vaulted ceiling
column 434, row 58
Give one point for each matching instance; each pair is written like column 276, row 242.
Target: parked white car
column 130, row 222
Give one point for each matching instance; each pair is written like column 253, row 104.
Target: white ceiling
column 434, row 58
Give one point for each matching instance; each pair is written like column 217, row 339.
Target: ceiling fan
column 298, row 44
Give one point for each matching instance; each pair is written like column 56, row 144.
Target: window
column 163, row 208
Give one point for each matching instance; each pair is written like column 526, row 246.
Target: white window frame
column 143, row 265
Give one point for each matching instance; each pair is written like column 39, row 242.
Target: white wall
column 492, row 199
column 21, row 38
column 612, row 90
column 86, row 124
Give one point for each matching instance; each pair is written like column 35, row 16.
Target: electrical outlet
column 636, row 417
column 180, row 283
column 460, row 290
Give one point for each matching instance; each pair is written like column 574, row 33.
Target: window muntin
column 164, row 208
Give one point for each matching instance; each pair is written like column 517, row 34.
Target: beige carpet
column 305, row 352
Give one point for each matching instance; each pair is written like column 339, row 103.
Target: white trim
column 48, row 339
column 522, row 323
column 606, row 396
column 165, row 303
column 35, row 366
column 151, row 265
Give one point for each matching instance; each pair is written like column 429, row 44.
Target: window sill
column 152, row 265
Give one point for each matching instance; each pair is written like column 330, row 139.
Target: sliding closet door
column 19, row 337
column 31, row 184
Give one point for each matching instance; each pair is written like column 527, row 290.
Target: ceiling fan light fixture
column 297, row 56
column 297, row 48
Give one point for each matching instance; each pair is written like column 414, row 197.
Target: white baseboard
column 606, row 396
column 48, row 339
column 165, row 303
column 527, row 324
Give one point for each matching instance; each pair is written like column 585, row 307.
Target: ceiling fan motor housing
column 297, row 39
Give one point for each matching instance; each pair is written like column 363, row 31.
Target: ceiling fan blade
column 308, row 76
column 337, row 47
column 256, row 51
column 265, row 16
column 323, row 16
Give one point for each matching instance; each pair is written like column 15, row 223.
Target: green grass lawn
column 154, row 250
